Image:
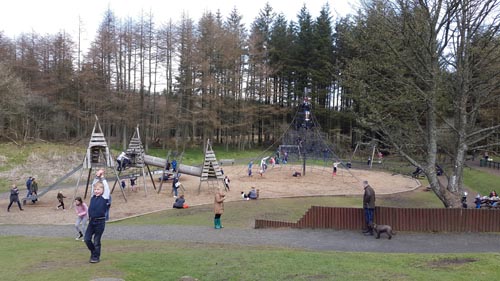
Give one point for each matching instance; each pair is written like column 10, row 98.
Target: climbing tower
column 98, row 156
column 136, row 150
column 211, row 172
column 135, row 153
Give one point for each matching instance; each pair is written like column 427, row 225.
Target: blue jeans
column 369, row 216
column 95, row 229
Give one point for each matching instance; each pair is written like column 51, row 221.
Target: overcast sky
column 52, row 16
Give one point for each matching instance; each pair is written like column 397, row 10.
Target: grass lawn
column 480, row 182
column 63, row 259
column 243, row 213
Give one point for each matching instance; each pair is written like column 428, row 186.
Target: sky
column 52, row 16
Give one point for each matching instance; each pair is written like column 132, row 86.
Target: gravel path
column 321, row 240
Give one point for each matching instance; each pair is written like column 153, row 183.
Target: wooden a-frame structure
column 211, row 172
column 135, row 152
column 98, row 156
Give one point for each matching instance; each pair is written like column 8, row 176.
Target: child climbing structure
column 134, row 156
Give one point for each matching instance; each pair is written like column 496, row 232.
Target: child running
column 97, row 222
column 81, row 210
column 60, row 198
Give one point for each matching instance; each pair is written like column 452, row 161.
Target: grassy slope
column 480, row 182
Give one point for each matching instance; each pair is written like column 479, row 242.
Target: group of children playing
column 490, row 201
column 96, row 214
column 91, row 219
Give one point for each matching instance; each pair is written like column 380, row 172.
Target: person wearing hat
column 368, row 207
column 218, row 207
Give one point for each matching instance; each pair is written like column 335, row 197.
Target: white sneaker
column 175, row 196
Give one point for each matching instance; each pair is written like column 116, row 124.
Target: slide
column 56, row 184
column 183, row 169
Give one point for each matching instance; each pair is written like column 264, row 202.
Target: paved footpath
column 319, row 240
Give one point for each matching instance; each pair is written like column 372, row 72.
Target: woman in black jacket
column 14, row 197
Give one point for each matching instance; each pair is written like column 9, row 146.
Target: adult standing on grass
column 218, row 207
column 369, row 207
column 14, row 197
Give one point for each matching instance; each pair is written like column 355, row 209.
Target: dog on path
column 381, row 228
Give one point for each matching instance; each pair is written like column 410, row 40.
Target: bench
column 226, row 161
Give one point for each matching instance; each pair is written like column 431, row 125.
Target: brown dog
column 380, row 228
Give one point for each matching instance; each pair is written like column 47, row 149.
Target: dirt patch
column 277, row 182
column 310, row 277
column 447, row 262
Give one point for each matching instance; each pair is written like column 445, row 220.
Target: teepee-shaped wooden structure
column 136, row 149
column 98, row 156
column 135, row 152
column 211, row 172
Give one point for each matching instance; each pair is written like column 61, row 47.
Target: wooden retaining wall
column 401, row 219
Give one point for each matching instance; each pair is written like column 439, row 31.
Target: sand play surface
column 276, row 182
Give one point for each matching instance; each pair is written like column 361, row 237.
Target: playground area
column 272, row 180
column 277, row 182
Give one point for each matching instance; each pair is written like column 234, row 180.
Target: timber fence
column 401, row 219
column 489, row 164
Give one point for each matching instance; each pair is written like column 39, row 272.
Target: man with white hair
column 368, row 207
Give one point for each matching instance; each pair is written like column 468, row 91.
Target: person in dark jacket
column 60, row 198
column 369, row 207
column 34, row 190
column 175, row 186
column 97, row 222
column 253, row 194
column 14, row 197
column 28, row 186
column 179, row 202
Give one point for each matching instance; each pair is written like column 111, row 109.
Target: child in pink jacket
column 81, row 210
